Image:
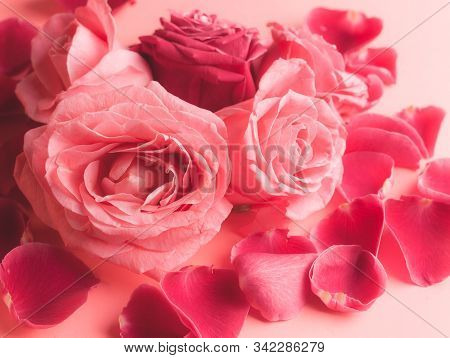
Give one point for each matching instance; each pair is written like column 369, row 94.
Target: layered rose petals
column 12, row 225
column 210, row 301
column 347, row 278
column 389, row 135
column 149, row 314
column 434, row 182
column 136, row 176
column 273, row 272
column 422, row 229
column 62, row 67
column 366, row 173
column 347, row 29
column 427, row 122
column 357, row 223
column 44, row 284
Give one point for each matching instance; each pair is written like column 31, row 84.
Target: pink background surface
column 423, row 78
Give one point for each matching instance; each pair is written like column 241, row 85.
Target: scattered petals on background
column 273, row 272
column 203, row 59
column 421, row 227
column 210, row 300
column 12, row 225
column 73, row 4
column 149, row 314
column 427, row 122
column 389, row 135
column 359, row 222
column 366, row 173
column 44, row 284
column 434, row 182
column 347, row 278
column 347, row 29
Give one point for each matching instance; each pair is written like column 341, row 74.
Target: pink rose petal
column 357, row 223
column 366, row 173
column 422, row 229
column 149, row 314
column 347, row 29
column 274, row 241
column 347, row 278
column 434, row 182
column 210, row 300
column 12, row 225
column 44, row 284
column 73, row 4
column 427, row 122
column 273, row 272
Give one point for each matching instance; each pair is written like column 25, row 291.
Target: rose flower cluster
column 137, row 154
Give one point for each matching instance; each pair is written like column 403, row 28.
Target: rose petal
column 366, row 173
column 44, row 284
column 149, row 314
column 210, row 299
column 347, row 278
column 422, row 229
column 274, row 241
column 347, row 29
column 73, row 4
column 12, row 225
column 427, row 122
column 357, row 223
column 434, row 182
column 275, row 284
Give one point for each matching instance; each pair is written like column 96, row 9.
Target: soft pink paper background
column 423, row 78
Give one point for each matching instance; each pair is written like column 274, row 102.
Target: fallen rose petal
column 149, row 314
column 44, row 284
column 274, row 241
column 422, row 229
column 357, row 223
column 427, row 122
column 347, row 29
column 12, row 225
column 210, row 300
column 347, row 278
column 434, row 182
column 366, row 173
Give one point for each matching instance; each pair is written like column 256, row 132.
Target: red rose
column 203, row 60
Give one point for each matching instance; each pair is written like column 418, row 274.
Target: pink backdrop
column 423, row 78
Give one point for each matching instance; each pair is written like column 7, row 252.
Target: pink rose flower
column 349, row 93
column 286, row 145
column 77, row 53
column 203, row 60
column 136, row 174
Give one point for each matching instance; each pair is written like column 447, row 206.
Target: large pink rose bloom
column 286, row 145
column 77, row 53
column 204, row 60
column 135, row 174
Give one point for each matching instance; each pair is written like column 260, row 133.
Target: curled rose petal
column 366, row 173
column 427, row 122
column 357, row 223
column 149, row 314
column 347, row 278
column 273, row 272
column 388, row 135
column 434, row 182
column 12, row 225
column 422, row 229
column 210, row 300
column 347, row 29
column 44, row 284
